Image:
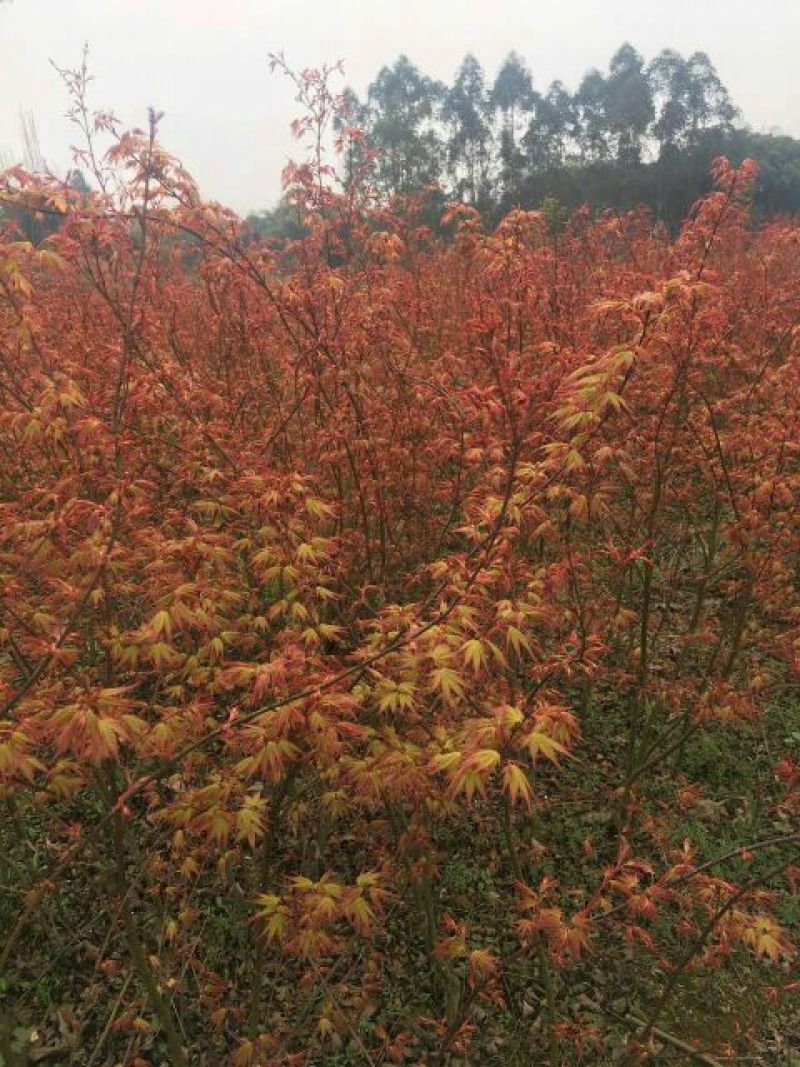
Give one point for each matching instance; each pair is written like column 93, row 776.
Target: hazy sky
column 205, row 64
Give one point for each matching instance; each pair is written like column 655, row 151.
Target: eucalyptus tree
column 689, row 99
column 553, row 128
column 402, row 108
column 629, row 105
column 591, row 115
column 513, row 100
column 668, row 74
column 466, row 110
column 708, row 104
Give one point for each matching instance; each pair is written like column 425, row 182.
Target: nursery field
column 399, row 628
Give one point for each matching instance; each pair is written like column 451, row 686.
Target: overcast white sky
column 205, row 63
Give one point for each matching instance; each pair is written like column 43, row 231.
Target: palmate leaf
column 517, row 640
column 474, row 653
column 766, row 938
column 274, row 915
column 449, row 684
column 446, row 761
column 250, row 821
column 470, row 775
column 517, row 785
column 482, row 964
column 483, row 761
column 539, row 744
column 395, row 696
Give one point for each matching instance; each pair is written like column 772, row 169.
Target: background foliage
column 637, row 134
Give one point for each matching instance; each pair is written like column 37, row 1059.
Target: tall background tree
column 629, row 105
column 636, row 133
column 552, row 129
column 402, row 108
column 466, row 109
column 513, row 100
column 592, row 111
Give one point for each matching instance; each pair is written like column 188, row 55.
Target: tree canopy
column 639, row 132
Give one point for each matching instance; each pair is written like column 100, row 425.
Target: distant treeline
column 640, row 133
